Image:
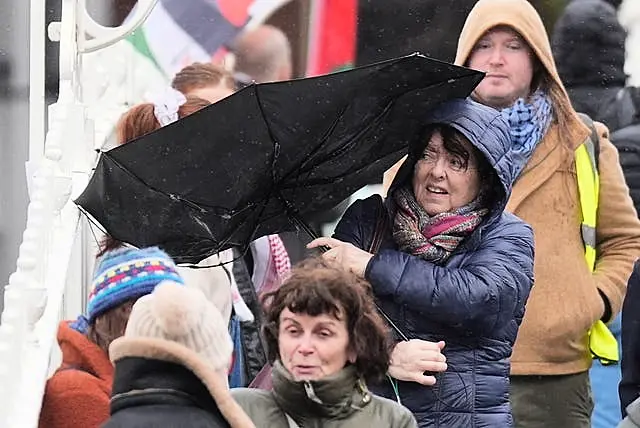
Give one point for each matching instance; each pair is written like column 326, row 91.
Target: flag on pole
column 180, row 32
column 332, row 36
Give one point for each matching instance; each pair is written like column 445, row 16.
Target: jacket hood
column 142, row 381
column 522, row 17
column 589, row 45
column 487, row 131
column 79, row 352
column 173, row 352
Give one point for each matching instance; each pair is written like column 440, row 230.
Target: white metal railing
column 58, row 169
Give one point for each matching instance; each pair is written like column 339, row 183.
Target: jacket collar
column 337, row 396
column 141, row 381
column 548, row 157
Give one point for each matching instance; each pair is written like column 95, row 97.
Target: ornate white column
column 33, row 297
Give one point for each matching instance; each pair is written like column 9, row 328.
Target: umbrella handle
column 294, row 216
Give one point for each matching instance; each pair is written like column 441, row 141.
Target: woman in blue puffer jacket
column 447, row 263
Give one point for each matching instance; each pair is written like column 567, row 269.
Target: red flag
column 332, row 45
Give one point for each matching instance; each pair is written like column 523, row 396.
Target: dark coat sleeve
column 630, row 383
column 481, row 294
column 354, row 225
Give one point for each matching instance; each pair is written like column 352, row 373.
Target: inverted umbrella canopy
column 267, row 156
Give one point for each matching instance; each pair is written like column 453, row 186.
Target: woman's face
column 441, row 183
column 313, row 347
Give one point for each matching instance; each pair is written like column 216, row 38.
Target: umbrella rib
column 291, row 212
column 301, row 166
column 327, row 133
column 276, row 144
column 337, row 153
column 195, row 205
column 153, row 188
column 191, row 203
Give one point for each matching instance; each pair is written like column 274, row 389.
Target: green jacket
column 337, row 401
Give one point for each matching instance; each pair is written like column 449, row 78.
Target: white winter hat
column 183, row 315
column 179, row 325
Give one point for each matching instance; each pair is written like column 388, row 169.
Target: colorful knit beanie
column 125, row 274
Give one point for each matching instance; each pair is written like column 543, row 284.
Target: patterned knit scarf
column 433, row 238
column 529, row 122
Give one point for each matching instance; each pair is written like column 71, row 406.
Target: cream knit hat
column 183, row 315
column 179, row 325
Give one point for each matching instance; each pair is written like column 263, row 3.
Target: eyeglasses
column 453, row 162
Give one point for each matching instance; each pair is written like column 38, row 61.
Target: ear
column 352, row 356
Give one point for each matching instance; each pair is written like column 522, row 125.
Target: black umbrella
column 261, row 160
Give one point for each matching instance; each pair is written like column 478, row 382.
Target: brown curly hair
column 317, row 287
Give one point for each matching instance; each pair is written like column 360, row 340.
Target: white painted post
column 58, row 170
column 37, row 30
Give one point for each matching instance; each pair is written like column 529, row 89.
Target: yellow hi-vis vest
column 602, row 342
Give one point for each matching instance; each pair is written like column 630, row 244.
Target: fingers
column 430, row 356
column 331, row 255
column 324, row 241
column 425, row 345
column 412, row 376
column 425, row 380
column 431, row 366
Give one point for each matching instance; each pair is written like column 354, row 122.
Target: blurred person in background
column 263, row 55
column 588, row 44
column 204, row 80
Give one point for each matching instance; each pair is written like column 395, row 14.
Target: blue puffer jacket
column 475, row 302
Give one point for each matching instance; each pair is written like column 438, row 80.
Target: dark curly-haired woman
column 325, row 340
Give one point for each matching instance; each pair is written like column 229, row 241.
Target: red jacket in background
column 78, row 394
